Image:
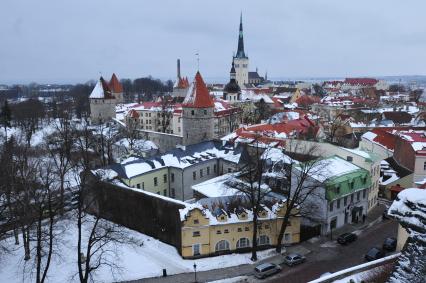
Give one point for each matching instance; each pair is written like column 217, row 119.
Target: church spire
column 240, row 50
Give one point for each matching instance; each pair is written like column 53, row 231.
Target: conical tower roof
column 198, row 95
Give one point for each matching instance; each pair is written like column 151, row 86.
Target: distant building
column 232, row 91
column 102, row 103
column 241, row 61
column 181, row 86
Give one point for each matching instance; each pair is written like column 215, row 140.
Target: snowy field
column 137, row 261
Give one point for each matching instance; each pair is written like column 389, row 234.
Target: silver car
column 293, row 259
column 266, row 269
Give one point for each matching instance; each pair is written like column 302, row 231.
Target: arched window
column 243, row 243
column 263, row 240
column 222, row 245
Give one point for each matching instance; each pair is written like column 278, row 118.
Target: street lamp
column 195, row 272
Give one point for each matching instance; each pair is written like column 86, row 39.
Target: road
column 332, row 257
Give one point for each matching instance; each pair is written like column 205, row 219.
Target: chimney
column 178, row 68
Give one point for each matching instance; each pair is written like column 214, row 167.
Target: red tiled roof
column 361, row 81
column 200, row 95
column 183, row 83
column 385, row 138
column 133, row 114
column 115, row 85
column 307, row 100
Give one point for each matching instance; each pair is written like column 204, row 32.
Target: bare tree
column 47, row 203
column 59, row 146
column 300, row 189
column 166, row 113
column 97, row 239
column 250, row 184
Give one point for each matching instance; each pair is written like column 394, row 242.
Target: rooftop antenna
column 198, row 60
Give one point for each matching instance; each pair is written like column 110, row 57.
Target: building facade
column 206, row 232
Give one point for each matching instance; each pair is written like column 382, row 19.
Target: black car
column 389, row 244
column 346, row 238
column 374, row 253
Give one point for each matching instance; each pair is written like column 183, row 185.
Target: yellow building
column 205, row 232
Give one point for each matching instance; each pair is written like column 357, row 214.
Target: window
column 222, row 245
column 172, row 177
column 263, row 240
column 165, row 192
column 229, row 170
column 246, row 229
column 194, row 175
column 208, row 170
column 143, row 185
column 155, row 181
column 345, row 201
column 331, row 206
column 218, row 232
column 358, row 194
column 243, row 243
column 138, row 186
column 192, row 112
column 352, row 198
column 287, row 237
column 338, row 203
column 201, row 173
column 205, row 112
column 172, row 193
column 364, row 193
column 196, row 249
column 196, row 234
column 337, row 190
column 226, row 231
column 196, row 221
column 165, row 178
column 214, row 168
column 424, row 165
column 240, row 230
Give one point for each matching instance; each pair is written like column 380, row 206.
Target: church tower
column 241, row 61
column 197, row 113
column 232, row 91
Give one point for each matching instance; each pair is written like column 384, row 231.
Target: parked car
column 374, row 253
column 346, row 238
column 266, row 269
column 389, row 244
column 294, row 259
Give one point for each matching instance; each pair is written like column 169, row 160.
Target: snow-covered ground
column 137, row 261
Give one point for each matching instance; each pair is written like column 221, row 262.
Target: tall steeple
column 240, row 50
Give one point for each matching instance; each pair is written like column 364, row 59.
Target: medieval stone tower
column 102, row 103
column 241, row 61
column 197, row 113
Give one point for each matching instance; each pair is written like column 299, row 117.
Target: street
column 332, row 257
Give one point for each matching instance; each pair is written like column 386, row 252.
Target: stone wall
column 147, row 213
column 164, row 141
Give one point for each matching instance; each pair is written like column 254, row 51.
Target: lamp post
column 195, row 272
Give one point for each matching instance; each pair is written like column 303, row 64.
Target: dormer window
column 222, row 218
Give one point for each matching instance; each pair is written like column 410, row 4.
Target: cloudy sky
column 72, row 41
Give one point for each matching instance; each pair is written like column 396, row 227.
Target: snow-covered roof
column 332, row 167
column 216, row 187
column 178, row 158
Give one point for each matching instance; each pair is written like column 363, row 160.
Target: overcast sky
column 72, row 41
